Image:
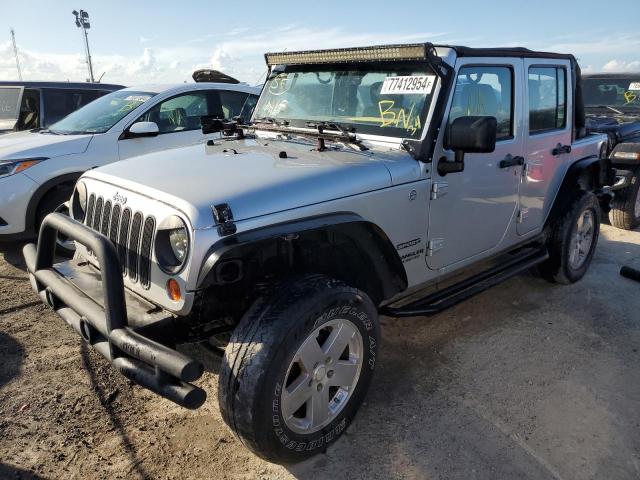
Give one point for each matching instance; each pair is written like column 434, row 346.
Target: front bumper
column 15, row 193
column 107, row 327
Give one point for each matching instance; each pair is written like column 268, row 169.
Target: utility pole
column 15, row 52
column 82, row 22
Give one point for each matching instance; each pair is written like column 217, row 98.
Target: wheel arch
column 590, row 174
column 341, row 245
column 41, row 192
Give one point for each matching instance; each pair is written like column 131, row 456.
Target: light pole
column 15, row 53
column 82, row 22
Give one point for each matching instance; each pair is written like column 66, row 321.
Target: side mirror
column 473, row 134
column 143, row 129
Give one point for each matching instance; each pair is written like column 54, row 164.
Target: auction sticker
column 414, row 84
column 635, row 86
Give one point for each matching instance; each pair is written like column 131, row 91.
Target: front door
column 178, row 120
column 472, row 211
column 548, row 132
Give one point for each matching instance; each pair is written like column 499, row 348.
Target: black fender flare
column 42, row 190
column 600, row 173
column 382, row 259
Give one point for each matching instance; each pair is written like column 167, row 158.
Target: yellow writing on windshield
column 398, row 117
column 630, row 96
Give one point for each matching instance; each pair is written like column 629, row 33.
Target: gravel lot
column 527, row 380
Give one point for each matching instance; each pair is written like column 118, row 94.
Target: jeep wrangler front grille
column 131, row 233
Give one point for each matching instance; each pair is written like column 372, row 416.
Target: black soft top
column 519, row 52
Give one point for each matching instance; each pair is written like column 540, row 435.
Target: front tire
column 298, row 366
column 573, row 240
column 625, row 207
column 57, row 200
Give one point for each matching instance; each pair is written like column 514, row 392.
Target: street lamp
column 82, row 22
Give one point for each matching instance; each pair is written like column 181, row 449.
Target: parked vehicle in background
column 612, row 105
column 39, row 168
column 29, row 105
column 396, row 179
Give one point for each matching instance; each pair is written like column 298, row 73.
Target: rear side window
column 58, row 103
column 485, row 91
column 547, row 99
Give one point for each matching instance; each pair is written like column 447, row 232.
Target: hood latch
column 224, row 218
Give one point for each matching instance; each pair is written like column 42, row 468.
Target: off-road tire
column 557, row 267
column 53, row 200
column 259, row 354
column 625, row 213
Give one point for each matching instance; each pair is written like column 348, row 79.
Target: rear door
column 548, row 138
column 471, row 211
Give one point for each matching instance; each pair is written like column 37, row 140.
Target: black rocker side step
column 450, row 296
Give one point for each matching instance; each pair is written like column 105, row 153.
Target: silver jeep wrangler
column 393, row 180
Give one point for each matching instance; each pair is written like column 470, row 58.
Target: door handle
column 510, row 161
column 561, row 149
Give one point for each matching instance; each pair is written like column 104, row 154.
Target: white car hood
column 254, row 181
column 35, row 144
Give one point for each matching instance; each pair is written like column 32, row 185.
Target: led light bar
column 383, row 53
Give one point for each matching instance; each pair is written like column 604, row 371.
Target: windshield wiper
column 272, row 121
column 609, row 107
column 347, row 134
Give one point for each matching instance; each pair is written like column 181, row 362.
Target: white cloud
column 621, row 66
column 239, row 52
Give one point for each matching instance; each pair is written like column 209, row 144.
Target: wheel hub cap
column 582, row 240
column 322, row 376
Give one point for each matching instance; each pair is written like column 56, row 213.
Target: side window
column 248, row 107
column 232, row 103
column 485, row 91
column 179, row 113
column 547, row 99
column 29, row 110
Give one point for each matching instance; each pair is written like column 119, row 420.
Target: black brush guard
column 144, row 361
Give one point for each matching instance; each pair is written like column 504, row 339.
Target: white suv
column 38, row 169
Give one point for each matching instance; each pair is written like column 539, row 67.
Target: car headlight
column 172, row 244
column 11, row 167
column 79, row 202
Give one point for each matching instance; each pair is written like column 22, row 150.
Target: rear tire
column 280, row 400
column 573, row 240
column 625, row 207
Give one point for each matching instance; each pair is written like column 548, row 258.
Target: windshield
column 391, row 102
column 614, row 92
column 9, row 103
column 101, row 114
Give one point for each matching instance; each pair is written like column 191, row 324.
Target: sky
column 134, row 43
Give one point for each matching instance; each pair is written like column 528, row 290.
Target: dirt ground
column 527, row 380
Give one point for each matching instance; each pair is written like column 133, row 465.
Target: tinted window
column 247, row 108
column 29, row 110
column 613, row 91
column 547, row 99
column 232, row 103
column 59, row 103
column 180, row 113
column 485, row 91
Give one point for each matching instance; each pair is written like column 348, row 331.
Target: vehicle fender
column 591, row 173
column 43, row 189
column 377, row 270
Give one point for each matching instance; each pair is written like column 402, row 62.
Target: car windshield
column 372, row 100
column 101, row 114
column 614, row 92
column 9, row 103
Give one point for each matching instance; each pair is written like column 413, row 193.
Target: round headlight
column 172, row 244
column 79, row 202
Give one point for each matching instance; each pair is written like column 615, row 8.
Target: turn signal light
column 173, row 289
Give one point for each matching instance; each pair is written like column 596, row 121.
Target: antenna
column 15, row 52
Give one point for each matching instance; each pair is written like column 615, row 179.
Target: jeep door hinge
column 439, row 189
column 434, row 245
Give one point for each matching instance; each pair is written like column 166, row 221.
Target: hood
column 255, row 177
column 38, row 144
